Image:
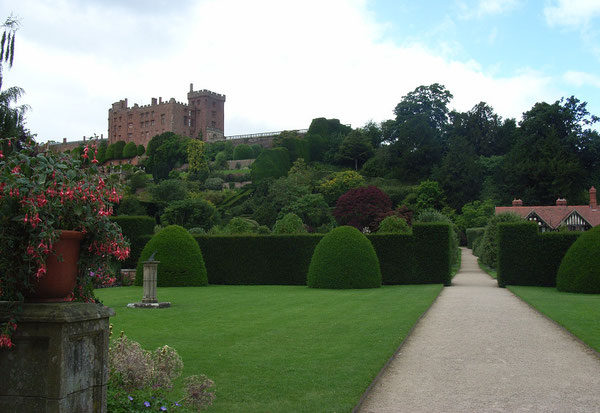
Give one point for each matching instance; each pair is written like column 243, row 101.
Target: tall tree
column 417, row 134
column 546, row 162
column 7, row 43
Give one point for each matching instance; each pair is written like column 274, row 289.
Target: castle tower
column 206, row 114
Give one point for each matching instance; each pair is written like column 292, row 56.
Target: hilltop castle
column 203, row 116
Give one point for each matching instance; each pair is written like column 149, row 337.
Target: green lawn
column 277, row 348
column 578, row 313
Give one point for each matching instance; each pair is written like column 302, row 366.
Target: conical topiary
column 344, row 259
column 181, row 262
column 579, row 271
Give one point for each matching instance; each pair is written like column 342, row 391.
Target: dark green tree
column 165, row 152
column 355, row 149
column 129, row 150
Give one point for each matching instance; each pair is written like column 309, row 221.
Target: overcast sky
column 283, row 63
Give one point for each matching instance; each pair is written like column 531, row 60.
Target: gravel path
column 481, row 349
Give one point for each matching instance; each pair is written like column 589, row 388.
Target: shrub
column 140, row 150
column 129, row 150
column 344, row 259
column 130, row 205
column 242, row 151
column 214, row 184
column 271, row 163
column 298, row 148
column 339, row 184
column 181, row 262
column 289, row 224
column 433, row 252
column 473, row 234
column 256, row 150
column 487, row 249
column 393, row 224
column 134, row 228
column 312, row 210
column 260, row 259
column 191, row 212
column 360, row 207
column 239, row 225
column 579, row 271
column 169, row 190
column 117, row 150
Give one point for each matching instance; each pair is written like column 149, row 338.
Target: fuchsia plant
column 42, row 193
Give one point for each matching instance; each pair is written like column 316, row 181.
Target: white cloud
column 280, row 64
column 579, row 79
column 572, row 13
column 483, row 8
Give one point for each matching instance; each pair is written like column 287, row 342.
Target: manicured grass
column 277, row 348
column 491, row 272
column 578, row 313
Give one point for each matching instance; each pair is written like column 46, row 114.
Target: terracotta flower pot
column 61, row 275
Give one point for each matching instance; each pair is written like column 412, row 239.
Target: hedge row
column 420, row 258
column 473, row 234
column 527, row 257
column 138, row 230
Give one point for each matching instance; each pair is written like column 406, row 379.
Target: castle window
column 214, row 104
column 162, row 119
column 152, row 122
column 130, row 126
column 213, row 124
column 214, row 113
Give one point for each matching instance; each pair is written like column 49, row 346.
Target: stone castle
column 203, row 116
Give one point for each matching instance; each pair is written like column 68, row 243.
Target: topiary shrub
column 181, row 262
column 579, row 271
column 129, row 150
column 344, row 259
column 271, row 163
column 487, row 248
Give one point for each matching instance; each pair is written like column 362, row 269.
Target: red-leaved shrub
column 360, row 207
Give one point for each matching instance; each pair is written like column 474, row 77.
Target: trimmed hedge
column 473, row 234
column 433, row 252
column 181, row 261
column 284, row 259
column 527, row 257
column 243, row 151
column 136, row 228
column 344, row 259
column 579, row 271
column 257, row 259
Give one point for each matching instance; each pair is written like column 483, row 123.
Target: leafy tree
column 189, row 213
column 417, row 134
column 165, row 152
column 102, row 146
column 274, row 162
column 242, row 151
column 7, row 43
column 289, row 224
column 475, row 214
column 355, row 149
column 169, row 190
column 198, row 165
column 130, row 150
column 140, row 150
column 137, row 180
column 338, row 184
column 324, row 137
column 220, row 160
column 109, row 153
column 360, row 207
column 130, row 205
column 256, row 149
column 312, row 210
column 296, row 146
column 546, row 162
column 459, row 174
column 430, row 196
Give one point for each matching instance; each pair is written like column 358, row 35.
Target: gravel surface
column 481, row 349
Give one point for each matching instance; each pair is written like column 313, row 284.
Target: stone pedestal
column 60, row 359
column 150, row 271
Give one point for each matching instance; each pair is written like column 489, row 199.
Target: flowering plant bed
column 41, row 195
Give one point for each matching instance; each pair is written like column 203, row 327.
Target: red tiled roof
column 554, row 215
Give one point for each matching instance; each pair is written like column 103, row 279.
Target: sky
column 282, row 63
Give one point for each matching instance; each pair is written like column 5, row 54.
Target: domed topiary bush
column 344, row 259
column 181, row 262
column 579, row 271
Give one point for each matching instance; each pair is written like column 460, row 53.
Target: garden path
column 481, row 349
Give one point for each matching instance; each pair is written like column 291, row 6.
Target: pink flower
column 41, row 271
column 5, row 341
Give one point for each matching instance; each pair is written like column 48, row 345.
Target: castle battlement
column 203, row 115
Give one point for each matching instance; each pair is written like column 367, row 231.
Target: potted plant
column 43, row 198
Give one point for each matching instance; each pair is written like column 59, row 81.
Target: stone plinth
column 150, row 272
column 60, row 359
